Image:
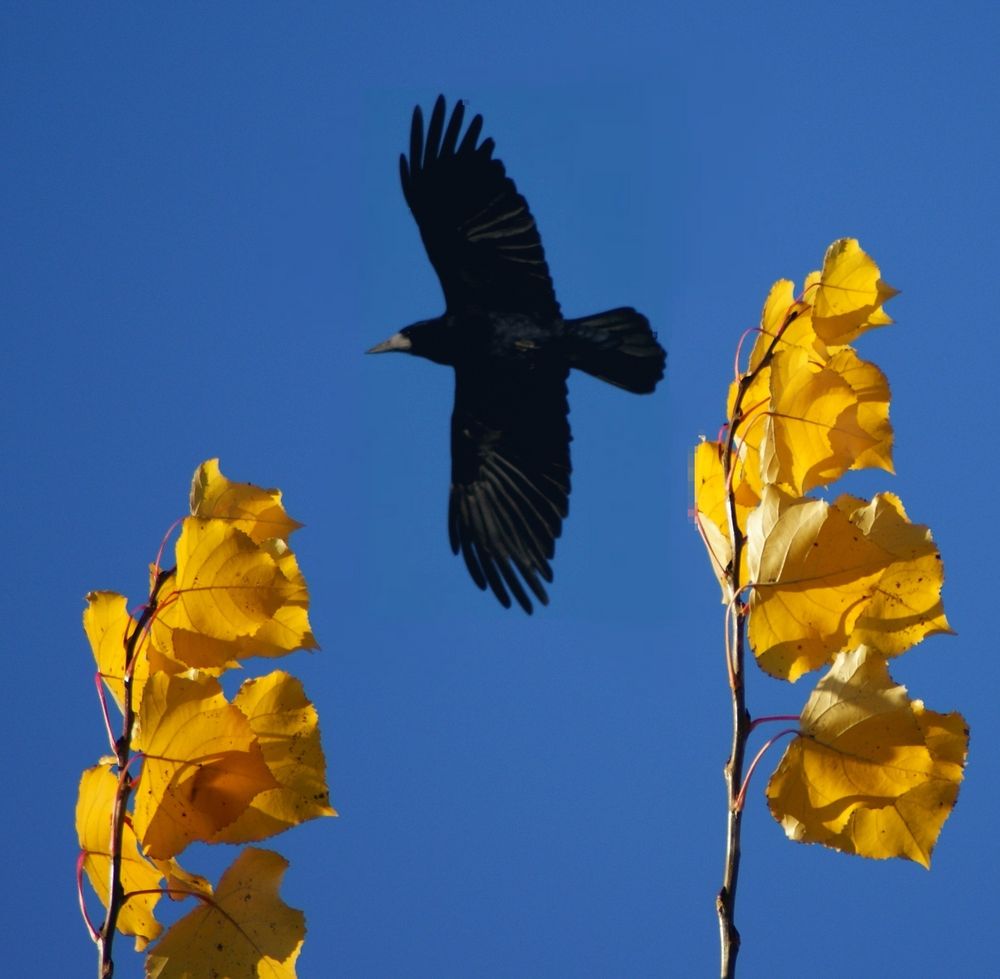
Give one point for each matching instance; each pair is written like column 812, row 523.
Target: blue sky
column 203, row 230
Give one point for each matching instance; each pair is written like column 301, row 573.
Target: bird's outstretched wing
column 477, row 229
column 510, row 478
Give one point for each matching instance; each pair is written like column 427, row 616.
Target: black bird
column 511, row 348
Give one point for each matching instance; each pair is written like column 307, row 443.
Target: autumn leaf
column 710, row 507
column 94, row 806
column 108, row 624
column 784, row 317
column 785, row 328
column 824, row 418
column 905, row 605
column 826, row 410
column 749, row 430
column 257, row 512
column 287, row 728
column 827, row 578
column 175, row 645
column 850, row 294
column 874, row 773
column 287, row 629
column 868, row 420
column 202, row 764
column 227, row 586
column 244, row 932
column 174, row 649
column 811, row 573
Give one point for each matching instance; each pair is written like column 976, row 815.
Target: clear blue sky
column 203, row 230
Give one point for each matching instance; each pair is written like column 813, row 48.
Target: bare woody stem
column 725, row 902
column 123, row 751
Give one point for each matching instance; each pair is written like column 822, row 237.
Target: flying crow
column 512, row 350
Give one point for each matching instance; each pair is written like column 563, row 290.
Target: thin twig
column 770, row 718
column 725, row 902
column 99, row 681
column 756, row 761
column 123, row 752
column 79, row 893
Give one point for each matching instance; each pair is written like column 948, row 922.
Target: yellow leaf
column 826, row 416
column 287, row 629
column 287, row 727
column 779, row 318
column 905, row 605
column 806, row 401
column 850, row 295
column 157, row 644
column 829, row 578
column 202, row 765
column 868, row 420
column 245, row 932
column 257, row 512
column 874, row 773
column 94, row 808
column 788, row 319
column 174, row 646
column 773, row 319
column 107, row 624
column 187, row 648
column 750, row 428
column 710, row 508
column 776, row 314
column 812, row 574
column 226, row 585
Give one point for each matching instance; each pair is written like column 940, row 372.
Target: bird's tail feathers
column 617, row 346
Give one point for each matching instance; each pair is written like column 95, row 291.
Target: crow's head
column 428, row 338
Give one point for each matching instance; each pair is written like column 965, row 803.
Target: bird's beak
column 396, row 342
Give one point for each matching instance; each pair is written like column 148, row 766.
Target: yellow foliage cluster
column 843, row 585
column 212, row 769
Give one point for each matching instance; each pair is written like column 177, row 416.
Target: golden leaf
column 257, row 512
column 287, row 728
column 244, row 932
column 750, row 428
column 107, row 624
column 868, row 420
column 850, row 295
column 288, row 628
column 783, row 316
column 202, row 764
column 226, row 585
column 185, row 648
column 826, row 416
column 812, row 574
column 829, row 578
column 774, row 318
column 94, row 807
column 174, row 635
column 874, row 773
column 905, row 605
column 710, row 507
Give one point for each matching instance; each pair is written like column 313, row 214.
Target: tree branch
column 123, row 752
column 725, row 902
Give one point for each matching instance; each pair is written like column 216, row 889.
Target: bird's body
column 491, row 338
column 504, row 334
